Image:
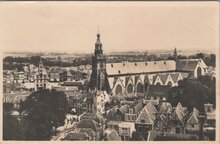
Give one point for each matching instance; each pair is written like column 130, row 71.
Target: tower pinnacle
column 98, row 45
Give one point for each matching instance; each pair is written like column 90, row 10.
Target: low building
column 158, row 92
column 111, row 135
column 126, row 130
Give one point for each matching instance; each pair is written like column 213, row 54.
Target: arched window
column 130, row 88
column 199, row 72
column 139, row 88
column 118, row 89
column 169, row 83
column 157, row 83
column 145, row 86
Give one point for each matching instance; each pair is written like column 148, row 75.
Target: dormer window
column 130, row 111
column 142, row 120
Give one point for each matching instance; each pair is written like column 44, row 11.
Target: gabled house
column 177, row 122
column 133, row 111
column 145, row 120
column 193, row 125
column 111, row 135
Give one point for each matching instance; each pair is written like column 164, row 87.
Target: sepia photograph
column 110, row 71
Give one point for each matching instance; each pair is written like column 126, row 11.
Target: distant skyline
column 124, row 26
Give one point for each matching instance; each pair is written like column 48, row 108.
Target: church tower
column 175, row 54
column 98, row 79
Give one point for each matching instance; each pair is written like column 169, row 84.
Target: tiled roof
column 123, row 109
column 144, row 117
column 76, row 136
column 86, row 123
column 111, row 135
column 97, row 117
column 147, row 114
column 188, row 64
column 88, row 131
column 140, row 67
column 163, row 77
column 179, row 113
column 194, row 116
column 158, row 91
column 135, row 104
column 165, row 107
column 174, row 76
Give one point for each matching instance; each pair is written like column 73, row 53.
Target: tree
column 12, row 130
column 190, row 93
column 45, row 110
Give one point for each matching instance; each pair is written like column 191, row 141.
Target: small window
column 130, row 111
column 111, row 65
column 135, row 64
column 142, row 120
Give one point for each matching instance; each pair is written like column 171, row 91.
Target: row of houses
column 40, row 77
column 144, row 120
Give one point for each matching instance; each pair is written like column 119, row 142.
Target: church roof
column 174, row 76
column 163, row 77
column 140, row 67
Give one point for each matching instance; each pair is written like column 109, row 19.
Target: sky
column 124, row 26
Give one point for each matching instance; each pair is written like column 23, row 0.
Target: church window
column 118, row 89
column 199, row 71
column 157, row 83
column 145, row 86
column 139, row 88
column 130, row 88
column 169, row 83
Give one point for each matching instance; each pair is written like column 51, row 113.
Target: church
column 126, row 78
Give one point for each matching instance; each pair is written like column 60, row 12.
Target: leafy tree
column 12, row 130
column 45, row 110
column 190, row 93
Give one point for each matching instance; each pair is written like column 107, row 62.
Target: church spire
column 175, row 54
column 98, row 45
